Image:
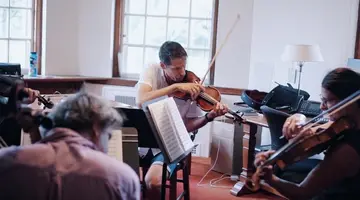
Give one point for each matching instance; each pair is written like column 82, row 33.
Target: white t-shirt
column 154, row 76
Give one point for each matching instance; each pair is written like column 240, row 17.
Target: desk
column 250, row 128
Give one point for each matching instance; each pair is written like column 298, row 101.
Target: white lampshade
column 302, row 53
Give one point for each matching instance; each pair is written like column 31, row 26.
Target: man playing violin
column 10, row 130
column 338, row 175
column 164, row 79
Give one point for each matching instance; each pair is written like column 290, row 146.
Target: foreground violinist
column 338, row 175
column 9, row 128
column 164, row 79
column 68, row 160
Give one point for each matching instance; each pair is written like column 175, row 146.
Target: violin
column 207, row 99
column 305, row 145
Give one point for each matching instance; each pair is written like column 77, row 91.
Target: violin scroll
column 46, row 102
column 190, row 77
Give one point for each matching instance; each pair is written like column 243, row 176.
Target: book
column 115, row 145
column 170, row 128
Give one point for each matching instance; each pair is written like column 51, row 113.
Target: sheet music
column 25, row 138
column 165, row 128
column 179, row 125
column 115, row 145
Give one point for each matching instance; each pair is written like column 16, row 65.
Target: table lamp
column 300, row 54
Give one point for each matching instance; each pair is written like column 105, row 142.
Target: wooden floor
column 198, row 169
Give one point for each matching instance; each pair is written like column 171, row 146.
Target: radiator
column 129, row 100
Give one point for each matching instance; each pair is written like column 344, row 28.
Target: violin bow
column 336, row 108
column 221, row 46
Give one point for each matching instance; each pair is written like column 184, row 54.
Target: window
column 16, row 31
column 149, row 23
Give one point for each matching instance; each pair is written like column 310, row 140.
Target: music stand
column 148, row 135
column 136, row 118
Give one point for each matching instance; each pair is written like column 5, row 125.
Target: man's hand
column 292, row 125
column 26, row 120
column 33, row 94
column 193, row 89
column 219, row 110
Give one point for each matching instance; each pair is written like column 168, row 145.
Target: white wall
column 329, row 23
column 251, row 56
column 95, row 35
column 232, row 63
column 249, row 59
column 79, row 37
column 61, row 38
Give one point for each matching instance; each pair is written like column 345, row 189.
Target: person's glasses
column 109, row 133
column 110, row 136
column 325, row 100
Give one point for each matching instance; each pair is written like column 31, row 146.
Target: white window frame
column 167, row 17
column 30, row 40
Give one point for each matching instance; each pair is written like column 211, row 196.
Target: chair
column 297, row 171
column 276, row 120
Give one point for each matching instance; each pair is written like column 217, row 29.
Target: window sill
column 54, row 79
column 132, row 83
column 116, row 81
column 105, row 81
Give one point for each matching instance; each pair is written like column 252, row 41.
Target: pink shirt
column 64, row 166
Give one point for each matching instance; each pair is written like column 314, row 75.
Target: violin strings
column 309, row 126
column 208, row 98
column 213, row 101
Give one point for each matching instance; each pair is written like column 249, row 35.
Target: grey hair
column 82, row 110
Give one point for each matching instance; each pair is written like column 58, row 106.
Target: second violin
column 306, row 145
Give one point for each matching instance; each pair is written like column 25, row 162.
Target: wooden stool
column 184, row 165
column 173, row 179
